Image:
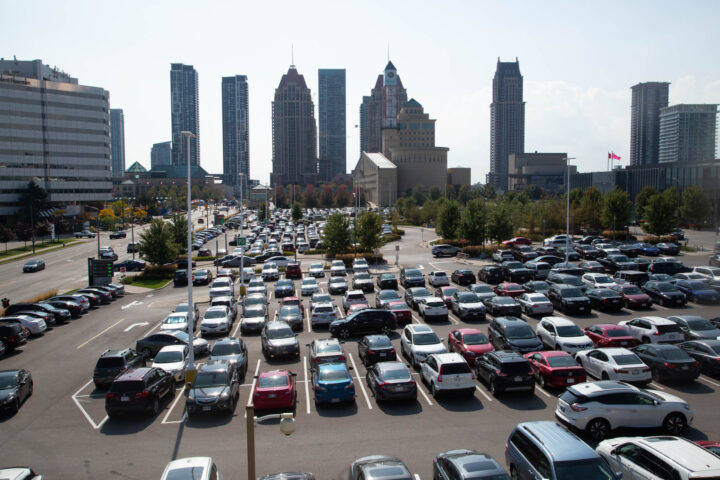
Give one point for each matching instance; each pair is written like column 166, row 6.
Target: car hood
column 282, row 342
column 166, row 327
column 428, row 349
column 525, row 342
column 199, row 342
column 234, row 358
column 711, row 334
column 473, row 306
column 170, row 367
column 215, row 321
column 479, row 349
column 668, row 397
column 578, row 339
column 485, row 296
column 641, row 297
column 209, row 392
column 5, row 394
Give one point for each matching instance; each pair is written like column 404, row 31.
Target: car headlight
column 686, row 406
column 224, row 396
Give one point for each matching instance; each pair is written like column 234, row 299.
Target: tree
column 616, row 209
column 262, row 212
column 23, row 231
column 473, row 222
column 311, row 196
column 418, row 193
column 33, row 199
column 336, row 234
column 448, row 219
column 465, row 194
column 156, row 243
column 6, row 235
column 297, row 213
column 178, row 228
column 660, row 212
column 695, row 208
column 343, row 197
column 499, row 226
column 434, row 193
column 281, row 197
column 591, row 207
column 534, row 192
column 326, row 196
column 369, row 230
column 107, row 218
column 642, row 200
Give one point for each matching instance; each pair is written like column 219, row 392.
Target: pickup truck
column 85, row 234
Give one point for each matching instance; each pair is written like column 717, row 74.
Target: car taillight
column 11, row 339
column 371, row 352
column 439, row 379
column 670, row 365
column 696, row 364
column 382, row 385
column 96, row 371
column 500, row 373
column 577, row 408
column 392, row 350
column 142, row 394
column 621, row 370
column 110, row 396
column 342, row 358
column 656, row 333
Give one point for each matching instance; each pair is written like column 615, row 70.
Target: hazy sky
column 578, row 58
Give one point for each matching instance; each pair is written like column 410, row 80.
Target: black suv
column 118, row 234
column 216, row 389
column 490, row 274
column 12, row 336
column 364, row 322
column 514, row 271
column 411, row 277
column 139, row 390
column 504, row 371
column 180, row 278
column 567, row 298
column 113, row 363
column 512, row 333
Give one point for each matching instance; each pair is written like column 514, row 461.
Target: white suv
column 558, row 241
column 438, row 279
column 598, row 280
column 360, row 265
column 270, row 272
column 432, row 308
column 419, row 341
column 711, row 274
column 337, row 268
column 447, row 372
column 654, row 330
column 559, row 333
column 600, row 407
column 658, row 457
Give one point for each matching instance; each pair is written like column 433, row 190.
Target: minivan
column 632, row 276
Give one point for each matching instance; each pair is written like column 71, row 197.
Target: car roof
column 508, row 355
column 558, row 442
column 589, row 389
column 657, row 320
column 452, row 357
column 693, row 457
column 274, row 373
column 332, row 366
column 114, row 352
column 134, row 374
column 192, row 462
column 509, row 320
column 559, row 321
column 214, row 366
column 277, row 325
column 173, row 348
column 419, row 328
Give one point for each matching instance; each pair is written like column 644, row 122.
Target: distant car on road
column 85, row 234
column 129, row 265
column 33, row 266
column 118, row 234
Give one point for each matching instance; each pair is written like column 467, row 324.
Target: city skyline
column 578, row 64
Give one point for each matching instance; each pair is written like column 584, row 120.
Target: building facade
column 382, row 108
column 507, row 121
column 161, row 154
column 55, row 132
column 236, row 131
column 377, row 178
column 647, row 100
column 364, row 123
column 546, row 170
column 331, row 117
column 184, row 113
column 117, row 142
column 458, row 176
column 294, row 132
column 687, row 133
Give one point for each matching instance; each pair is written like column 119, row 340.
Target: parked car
column 558, row 333
column 363, row 281
column 332, row 383
column 150, row 345
column 668, row 362
column 12, row 336
column 502, row 306
column 379, row 467
column 364, row 322
column 463, row 276
column 387, row 281
column 535, row 304
column 391, row 380
column 383, row 297
column 470, row 343
column 376, row 348
column 114, row 362
column 216, row 389
column 614, row 363
column 444, row 250
column 202, row 277
column 234, row 352
column 447, row 373
column 467, row 464
column 698, row 291
column 16, row 386
column 508, row 289
column 490, row 274
column 696, row 328
column 555, row 369
column 138, row 390
column 174, row 360
column 411, row 277
column 664, row 293
column 401, row 311
column 512, row 333
column 505, row 371
column 653, row 330
column 414, row 295
column 568, row 299
column 202, row 468
column 467, row 306
column 707, row 352
column 610, row 335
column 438, row 279
column 275, row 389
column 419, row 341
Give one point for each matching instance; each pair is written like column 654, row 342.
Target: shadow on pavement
column 400, row 408
column 336, row 410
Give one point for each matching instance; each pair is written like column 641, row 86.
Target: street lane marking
column 708, row 381
column 252, row 387
column 177, row 398
column 99, row 334
column 134, row 303
column 141, row 324
column 307, row 388
column 483, row 394
column 416, row 476
column 95, row 426
column 362, row 387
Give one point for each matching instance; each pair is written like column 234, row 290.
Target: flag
column 612, row 156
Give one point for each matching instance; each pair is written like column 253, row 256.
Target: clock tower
column 390, row 97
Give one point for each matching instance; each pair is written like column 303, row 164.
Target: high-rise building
column 184, row 113
column 364, row 123
column 331, row 116
column 117, row 142
column 687, row 133
column 236, row 131
column 507, row 121
column 56, row 133
column 294, row 132
column 161, row 154
column 647, row 100
column 384, row 104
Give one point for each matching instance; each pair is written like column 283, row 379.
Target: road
column 62, row 430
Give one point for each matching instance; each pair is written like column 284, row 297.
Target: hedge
column 204, row 259
column 398, row 231
column 315, row 251
column 158, row 271
column 655, row 239
column 393, row 237
column 348, row 258
column 614, row 234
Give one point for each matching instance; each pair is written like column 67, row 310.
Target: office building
column 687, row 133
column 546, row 170
column 364, row 123
column 184, row 113
column 236, row 132
column 458, row 176
column 647, row 100
column 117, row 142
column 382, row 108
column 331, row 118
column 507, row 121
column 294, row 132
column 55, row 132
column 161, row 154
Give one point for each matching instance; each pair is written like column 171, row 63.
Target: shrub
column 655, row 239
column 204, row 259
column 476, row 251
column 36, row 298
column 393, row 237
column 348, row 258
column 288, row 253
column 398, row 231
column 316, row 251
column 158, row 271
column 614, row 234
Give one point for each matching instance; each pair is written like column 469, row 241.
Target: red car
column 356, row 307
column 509, row 289
column 610, row 335
column 446, row 294
column 714, row 447
column 275, row 389
column 517, row 241
column 470, row 343
column 633, row 296
column 556, row 368
column 402, row 312
column 293, row 301
column 293, row 270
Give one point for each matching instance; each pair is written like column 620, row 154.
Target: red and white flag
column 612, row 156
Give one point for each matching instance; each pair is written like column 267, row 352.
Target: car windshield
column 336, row 281
column 587, row 469
column 176, row 319
column 700, row 324
column 322, row 298
column 675, row 354
column 273, row 381
column 328, row 348
column 605, row 293
column 475, row 339
column 697, row 286
column 617, row 332
column 398, row 306
column 332, row 375
column 569, row 331
column 665, row 287
column 210, row 379
column 537, row 297
column 169, row 357
column 519, row 332
column 259, row 300
column 448, row 292
column 626, row 359
column 571, row 292
column 562, row 361
column 324, row 309
column 289, row 311
column 309, row 281
column 221, row 349
column 215, row 314
column 421, row 292
column 482, row 288
column 467, row 297
column 603, row 280
column 8, row 381
column 284, row 283
column 632, row 291
column 396, row 374
column 426, row 338
column 362, row 276
column 443, row 274
column 387, row 294
column 413, row 273
column 379, row 342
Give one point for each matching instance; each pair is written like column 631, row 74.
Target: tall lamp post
column 191, row 371
column 567, row 211
column 287, row 427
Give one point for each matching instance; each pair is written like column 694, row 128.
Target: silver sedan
column 535, row 304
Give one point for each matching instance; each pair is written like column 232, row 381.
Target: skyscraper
column 236, row 131
column 364, row 124
column 117, row 142
column 161, row 154
column 331, row 113
column 687, row 133
column 647, row 100
column 184, row 113
column 384, row 104
column 507, row 121
column 294, row 132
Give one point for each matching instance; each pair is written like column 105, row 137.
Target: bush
column 204, row 259
column 393, row 237
column 288, row 253
column 614, row 234
column 316, row 251
column 158, row 271
column 36, row 298
column 348, row 258
column 398, row 231
column 476, row 251
column 655, row 239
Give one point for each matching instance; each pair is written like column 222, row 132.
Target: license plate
column 644, row 305
column 570, row 380
column 206, row 409
column 616, row 301
column 334, row 400
column 684, row 367
column 635, row 372
column 518, row 379
column 124, row 399
column 383, row 354
column 272, row 395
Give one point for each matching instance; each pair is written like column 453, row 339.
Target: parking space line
column 483, row 394
column 237, row 327
column 172, row 407
column 96, row 336
column 422, row 391
column 307, row 316
column 417, row 320
column 708, row 381
column 655, row 305
column 362, row 387
column 416, row 476
column 95, row 426
column 453, row 319
column 655, row 385
column 542, row 390
column 307, row 388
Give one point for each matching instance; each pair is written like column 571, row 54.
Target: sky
column 578, row 59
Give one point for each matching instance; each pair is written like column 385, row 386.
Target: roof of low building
column 380, row 160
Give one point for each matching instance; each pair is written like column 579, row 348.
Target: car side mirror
column 619, row 475
column 351, row 368
column 293, row 374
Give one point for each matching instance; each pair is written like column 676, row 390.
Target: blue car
column 697, row 291
column 647, row 249
column 332, row 383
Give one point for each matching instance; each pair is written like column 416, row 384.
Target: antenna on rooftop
column 292, row 56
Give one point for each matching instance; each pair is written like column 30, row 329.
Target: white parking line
column 362, row 387
column 655, row 385
column 452, row 318
column 307, row 388
column 95, row 426
column 422, row 391
column 483, row 393
column 252, row 387
column 417, row 320
column 237, row 327
column 307, row 317
column 660, row 307
column 702, row 378
column 416, row 476
column 542, row 390
column 96, row 336
column 172, row 407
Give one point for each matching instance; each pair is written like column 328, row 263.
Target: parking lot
column 63, row 430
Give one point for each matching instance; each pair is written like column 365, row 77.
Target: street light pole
column 287, row 427
column 567, row 211
column 191, row 371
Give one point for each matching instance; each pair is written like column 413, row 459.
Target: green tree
column 534, row 192
column 156, row 243
column 369, row 230
column 418, row 193
column 473, row 222
column 33, row 199
column 642, row 200
column 336, row 234
column 499, row 226
column 695, row 207
column 262, row 212
column 434, row 193
column 660, row 212
column 465, row 194
column 6, row 235
column 591, row 205
column 616, row 209
column 448, row 219
column 343, row 198
column 178, row 228
column 297, row 213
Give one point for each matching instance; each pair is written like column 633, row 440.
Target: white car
column 316, row 270
column 447, row 372
column 35, row 325
column 224, row 282
column 558, row 333
column 201, row 468
column 279, row 261
column 711, row 274
column 598, row 280
column 360, row 265
column 270, row 272
column 433, row 308
column 438, row 279
column 337, row 268
column 216, row 320
column 309, row 286
column 174, row 360
column 320, row 298
column 256, row 285
column 600, row 407
column 654, row 330
column 419, row 341
column 216, row 292
column 322, row 314
column 614, row 364
column 175, row 321
column 535, row 304
column 228, row 302
column 558, row 241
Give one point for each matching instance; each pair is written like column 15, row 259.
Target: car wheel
column 674, row 424
column 155, row 406
column 645, row 340
column 433, row 391
column 344, row 333
column 17, row 405
column 386, row 330
column 514, row 474
column 604, row 376
column 493, row 390
column 541, row 380
column 598, row 429
column 655, row 374
column 146, row 353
